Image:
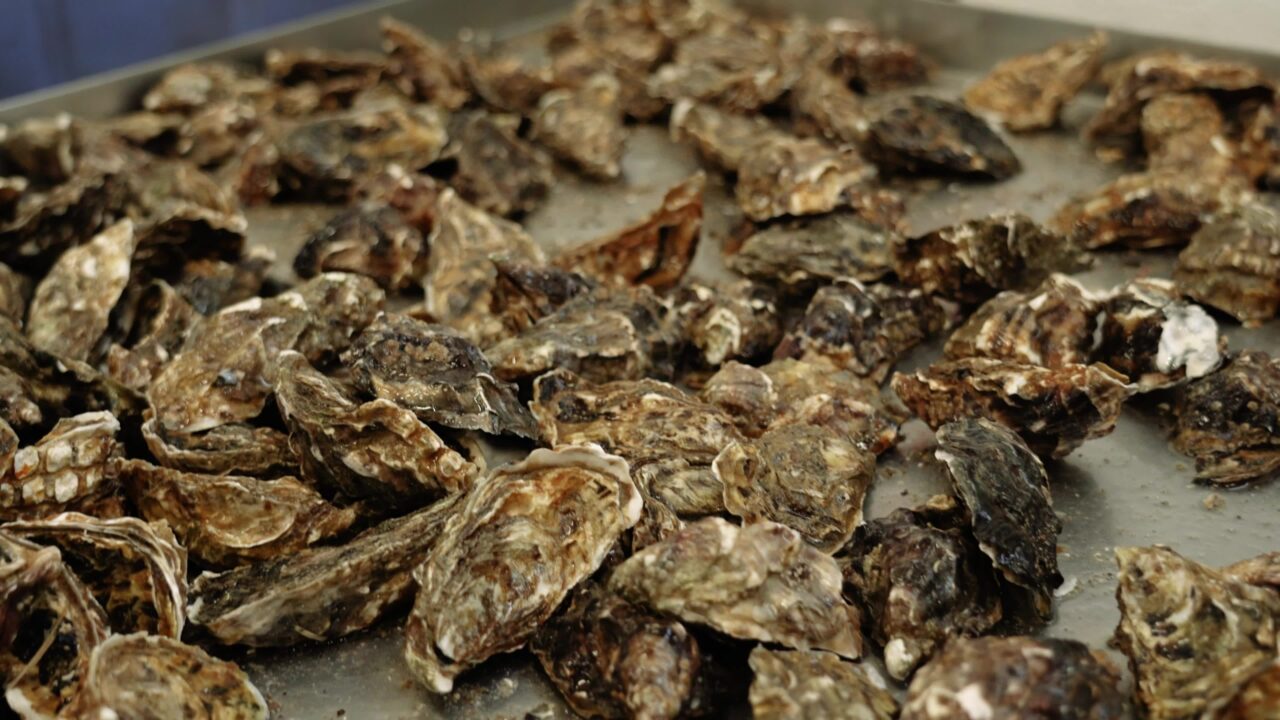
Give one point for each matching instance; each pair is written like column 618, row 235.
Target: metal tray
column 1129, row 488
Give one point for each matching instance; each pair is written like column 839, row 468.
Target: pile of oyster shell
column 197, row 454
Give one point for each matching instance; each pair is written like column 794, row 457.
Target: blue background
column 46, row 42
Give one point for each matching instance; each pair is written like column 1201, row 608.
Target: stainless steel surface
column 1129, row 488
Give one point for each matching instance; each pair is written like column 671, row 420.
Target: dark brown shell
column 1229, row 420
column 498, row 171
column 372, row 241
column 806, row 252
column 921, row 135
column 1232, row 263
column 1149, row 333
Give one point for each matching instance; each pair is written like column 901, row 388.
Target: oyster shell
column 377, row 450
column 760, row 582
column 1194, row 636
column 15, row 289
column 137, row 571
column 1232, row 263
column 922, row 135
column 526, row 293
column 211, row 285
column 784, row 175
column 190, row 87
column 1187, row 133
column 646, row 422
column 922, row 579
column 1116, row 129
column 823, row 104
column 736, row 66
column 1051, row 326
column 1054, row 409
column 165, row 318
column 222, row 374
column 810, row 251
column 871, row 61
column 229, row 520
column 740, row 320
column 612, row 659
column 794, row 391
column 235, row 448
column 1258, row 698
column 1004, row 488
column 864, row 329
column 438, row 374
column 973, row 260
column 1155, row 338
column 1146, row 210
column 459, row 285
column 73, row 466
column 148, row 677
column 1015, row 677
column 1027, row 92
column 427, row 71
column 498, row 171
column 323, row 157
column 319, row 593
column 583, row 126
column 724, row 139
column 547, row 522
column 58, row 611
column 608, row 334
column 809, row 684
column 506, row 81
column 72, row 304
column 656, row 251
column 1227, row 420
column 810, row 478
column 373, row 241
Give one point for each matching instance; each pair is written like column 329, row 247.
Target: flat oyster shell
column 222, row 374
column 583, row 126
column 757, row 582
column 459, row 285
column 792, row 684
column 377, row 449
column 546, row 523
column 871, row 61
column 1186, row 132
column 192, row 86
column 1227, row 421
column 1258, row 698
column 59, row 610
column 72, row 304
column 1146, row 210
column 739, row 320
column 1051, row 326
column 1054, row 409
column 656, row 251
column 235, row 448
column 864, row 329
column 1005, row 490
column 795, row 391
column 1027, row 92
column 1149, row 333
column 15, row 290
column 922, row 135
column 1232, row 263
column 971, row 261
column 319, row 593
column 608, row 334
column 136, row 570
column 323, row 157
column 1002, row 678
column 787, row 175
column 498, row 171
column 723, row 138
column 525, row 293
column 74, row 465
column 646, row 422
column 613, row 659
column 372, row 241
column 506, row 81
column 438, row 374
column 1115, row 130
column 922, row 580
column 810, row 478
column 148, row 677
column 211, row 285
column 1193, row 635
column 805, row 252
column 229, row 520
column 428, row 71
